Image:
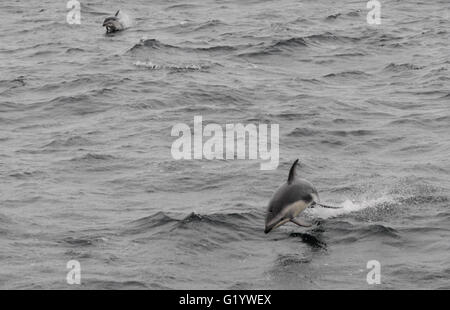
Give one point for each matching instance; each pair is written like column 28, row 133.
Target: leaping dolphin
column 290, row 200
column 113, row 23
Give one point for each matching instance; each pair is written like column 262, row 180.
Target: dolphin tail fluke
column 292, row 172
column 117, row 13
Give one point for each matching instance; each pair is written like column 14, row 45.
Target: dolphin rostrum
column 290, row 200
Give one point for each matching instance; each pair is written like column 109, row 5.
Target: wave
column 150, row 44
column 209, row 24
column 293, row 43
column 349, row 54
column 347, row 74
column 180, row 221
column 407, row 121
column 182, row 6
column 248, row 50
column 329, row 37
column 217, row 48
column 153, row 104
column 195, row 232
column 26, row 174
column 174, row 68
column 8, row 85
column 423, row 199
column 104, row 284
column 82, row 241
column 335, row 16
column 347, row 232
column 402, row 67
column 83, row 84
column 251, row 50
column 276, row 47
column 93, row 157
column 68, row 142
column 309, row 132
column 74, row 50
column 8, row 106
column 153, row 44
column 82, row 103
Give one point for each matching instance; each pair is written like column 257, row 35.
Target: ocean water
column 86, row 171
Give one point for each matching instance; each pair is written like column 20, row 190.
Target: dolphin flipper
column 117, row 13
column 301, row 223
column 314, row 204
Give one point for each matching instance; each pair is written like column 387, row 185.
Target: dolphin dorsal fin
column 291, row 177
column 117, row 13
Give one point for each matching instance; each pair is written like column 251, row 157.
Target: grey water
column 86, row 171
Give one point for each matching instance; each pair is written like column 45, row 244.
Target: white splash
column 347, row 206
column 147, row 64
column 125, row 19
column 153, row 66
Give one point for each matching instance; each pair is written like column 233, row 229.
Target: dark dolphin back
column 113, row 18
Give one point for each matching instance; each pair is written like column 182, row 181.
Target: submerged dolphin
column 113, row 23
column 289, row 201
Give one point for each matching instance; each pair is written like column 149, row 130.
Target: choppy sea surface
column 86, row 171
